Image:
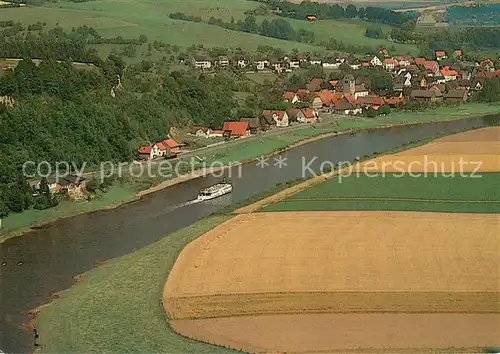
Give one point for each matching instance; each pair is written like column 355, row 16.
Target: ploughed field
column 396, row 260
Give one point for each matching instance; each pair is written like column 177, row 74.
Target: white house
column 404, row 60
column 331, row 65
column 242, row 63
column 315, row 62
column 280, row 117
column 202, row 63
column 355, row 66
column 262, row 64
column 376, row 61
column 294, row 64
column 214, row 133
column 390, row 64
column 223, row 61
column 360, row 91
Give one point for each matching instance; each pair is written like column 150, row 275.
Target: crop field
column 410, row 333
column 409, row 261
column 322, row 252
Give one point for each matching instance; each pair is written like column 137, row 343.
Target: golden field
column 349, row 281
column 348, row 333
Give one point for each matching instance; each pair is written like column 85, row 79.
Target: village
column 417, row 82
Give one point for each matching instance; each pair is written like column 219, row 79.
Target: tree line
column 276, row 28
column 325, row 11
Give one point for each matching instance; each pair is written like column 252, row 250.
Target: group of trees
column 276, row 28
column 324, row 11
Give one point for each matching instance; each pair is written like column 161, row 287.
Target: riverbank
column 112, row 310
column 233, row 155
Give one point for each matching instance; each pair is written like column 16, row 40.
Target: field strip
column 418, row 163
column 231, row 305
column 312, row 199
column 341, row 251
column 348, row 333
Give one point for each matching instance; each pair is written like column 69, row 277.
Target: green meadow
column 129, row 19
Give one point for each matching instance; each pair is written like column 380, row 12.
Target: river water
column 44, row 261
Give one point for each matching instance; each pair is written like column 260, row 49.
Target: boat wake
column 189, row 202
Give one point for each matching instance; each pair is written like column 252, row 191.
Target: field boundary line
column 388, row 199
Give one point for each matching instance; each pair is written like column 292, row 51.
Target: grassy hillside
column 129, row 19
column 112, row 18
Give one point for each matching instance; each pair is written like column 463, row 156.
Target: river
column 44, row 261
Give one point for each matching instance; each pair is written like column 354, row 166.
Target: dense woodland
column 67, row 114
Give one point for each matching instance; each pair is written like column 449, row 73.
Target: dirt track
column 342, row 332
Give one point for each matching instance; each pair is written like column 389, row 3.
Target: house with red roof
column 236, row 129
column 371, row 101
column 420, row 61
column 280, row 118
column 347, row 105
column 458, row 54
column 487, row 65
column 303, row 94
column 449, row 74
column 432, row 67
column 440, row 55
column 167, row 147
column 145, row 153
column 307, row 115
column 290, row 97
column 395, row 101
column 390, row 64
column 404, row 60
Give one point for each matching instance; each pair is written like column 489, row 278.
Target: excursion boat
column 215, row 191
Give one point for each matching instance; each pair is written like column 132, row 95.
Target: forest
column 63, row 113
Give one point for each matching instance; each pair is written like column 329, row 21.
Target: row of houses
column 167, row 148
column 335, row 61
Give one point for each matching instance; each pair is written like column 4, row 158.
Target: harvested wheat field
column 347, row 332
column 339, row 252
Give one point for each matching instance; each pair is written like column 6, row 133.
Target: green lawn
column 18, row 221
column 116, row 308
column 467, row 192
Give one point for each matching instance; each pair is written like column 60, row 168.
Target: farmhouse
column 306, row 115
column 390, row 64
column 236, row 129
column 290, row 97
column 202, row 63
column 280, row 118
column 223, row 61
column 254, row 125
column 430, row 96
column 456, row 96
column 145, row 153
column 440, row 54
column 376, row 61
column 449, row 74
